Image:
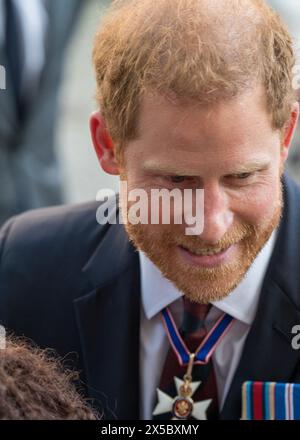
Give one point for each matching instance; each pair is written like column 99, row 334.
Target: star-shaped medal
column 182, row 406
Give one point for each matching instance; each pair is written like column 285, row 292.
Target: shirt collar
column 158, row 292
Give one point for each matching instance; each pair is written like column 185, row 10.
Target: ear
column 103, row 144
column 289, row 131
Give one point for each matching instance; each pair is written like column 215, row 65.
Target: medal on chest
column 182, row 406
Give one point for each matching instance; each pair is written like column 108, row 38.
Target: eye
column 242, row 176
column 240, row 179
column 177, row 179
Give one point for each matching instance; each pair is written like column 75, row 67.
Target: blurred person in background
column 35, row 386
column 33, row 38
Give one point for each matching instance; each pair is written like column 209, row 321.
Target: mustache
column 237, row 234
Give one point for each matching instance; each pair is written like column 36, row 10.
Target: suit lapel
column 268, row 354
column 108, row 323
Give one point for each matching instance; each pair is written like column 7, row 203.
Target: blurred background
column 290, row 12
column 36, row 171
column 82, row 175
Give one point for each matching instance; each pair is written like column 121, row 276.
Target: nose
column 218, row 217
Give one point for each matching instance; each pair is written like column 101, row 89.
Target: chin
column 210, row 293
column 203, row 285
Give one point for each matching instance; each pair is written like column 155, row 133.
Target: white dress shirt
column 158, row 292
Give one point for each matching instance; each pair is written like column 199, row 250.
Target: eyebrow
column 257, row 165
column 251, row 167
column 165, row 169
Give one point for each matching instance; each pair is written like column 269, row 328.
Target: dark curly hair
column 35, row 386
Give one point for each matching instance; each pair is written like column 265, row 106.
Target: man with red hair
column 192, row 95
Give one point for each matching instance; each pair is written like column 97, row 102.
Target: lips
column 208, row 258
column 205, row 252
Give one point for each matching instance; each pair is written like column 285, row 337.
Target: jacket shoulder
column 42, row 253
column 50, row 233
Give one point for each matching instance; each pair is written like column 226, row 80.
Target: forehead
column 170, row 131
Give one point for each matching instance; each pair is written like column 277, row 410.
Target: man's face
column 229, row 150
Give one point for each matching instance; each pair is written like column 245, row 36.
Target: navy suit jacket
column 73, row 285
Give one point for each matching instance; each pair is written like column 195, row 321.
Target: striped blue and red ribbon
column 206, row 348
column 270, row 401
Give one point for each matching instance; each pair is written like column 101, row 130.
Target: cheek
column 260, row 204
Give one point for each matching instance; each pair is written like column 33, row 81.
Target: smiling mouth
column 206, row 252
